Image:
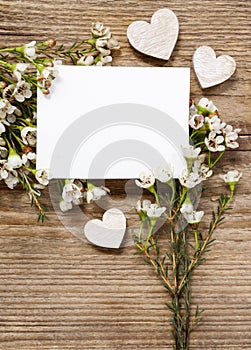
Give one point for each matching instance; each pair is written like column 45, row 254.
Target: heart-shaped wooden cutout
column 109, row 232
column 158, row 38
column 210, row 70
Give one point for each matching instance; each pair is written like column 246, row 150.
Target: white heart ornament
column 108, row 232
column 210, row 70
column 158, row 38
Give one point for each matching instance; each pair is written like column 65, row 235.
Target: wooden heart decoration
column 210, row 70
column 158, row 38
column 108, row 232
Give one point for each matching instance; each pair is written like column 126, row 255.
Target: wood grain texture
column 57, row 292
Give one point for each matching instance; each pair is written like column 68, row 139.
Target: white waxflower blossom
column 42, row 176
column 8, row 174
column 50, row 73
column 4, row 169
column 214, row 143
column 30, row 50
column 231, row 177
column 72, row 193
column 28, row 157
column 19, row 69
column 8, row 92
column 146, row 180
column 186, row 208
column 22, row 91
column 14, row 160
column 5, row 108
column 104, row 60
column 12, row 179
column 205, row 171
column 202, row 169
column 145, row 205
column 3, row 152
column 101, row 46
column 86, row 60
column 154, row 211
column 196, row 121
column 11, row 118
column 164, row 174
column 189, row 180
column 47, row 74
column 215, row 124
column 194, row 217
column 57, row 62
column 2, row 141
column 65, row 206
column 29, row 136
column 98, row 30
column 191, row 153
column 193, row 110
column 95, row 193
column 205, row 105
column 2, row 128
column 231, row 135
column 201, row 158
column 113, row 44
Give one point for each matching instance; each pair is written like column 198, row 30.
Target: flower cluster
column 215, row 134
column 74, row 192
column 209, row 134
column 195, row 172
column 102, row 44
column 18, row 133
column 23, row 69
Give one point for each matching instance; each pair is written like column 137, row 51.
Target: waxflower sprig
column 76, row 192
column 171, row 236
column 208, row 131
column 23, row 70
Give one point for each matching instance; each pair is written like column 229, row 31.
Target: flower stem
column 196, row 240
column 217, row 218
column 217, row 159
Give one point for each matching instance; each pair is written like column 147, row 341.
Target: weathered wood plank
column 57, row 292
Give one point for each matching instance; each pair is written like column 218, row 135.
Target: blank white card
column 113, row 122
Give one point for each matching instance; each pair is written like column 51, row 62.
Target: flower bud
column 51, row 43
column 47, row 84
column 27, row 149
column 45, row 91
column 2, row 142
column 14, row 159
column 40, row 78
column 3, row 84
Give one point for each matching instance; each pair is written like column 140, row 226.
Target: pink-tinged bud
column 27, row 149
column 45, row 91
column 51, row 43
column 40, row 78
column 3, row 84
column 47, row 84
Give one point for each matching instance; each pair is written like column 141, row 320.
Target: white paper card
column 113, row 122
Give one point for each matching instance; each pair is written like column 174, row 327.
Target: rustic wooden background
column 57, row 292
